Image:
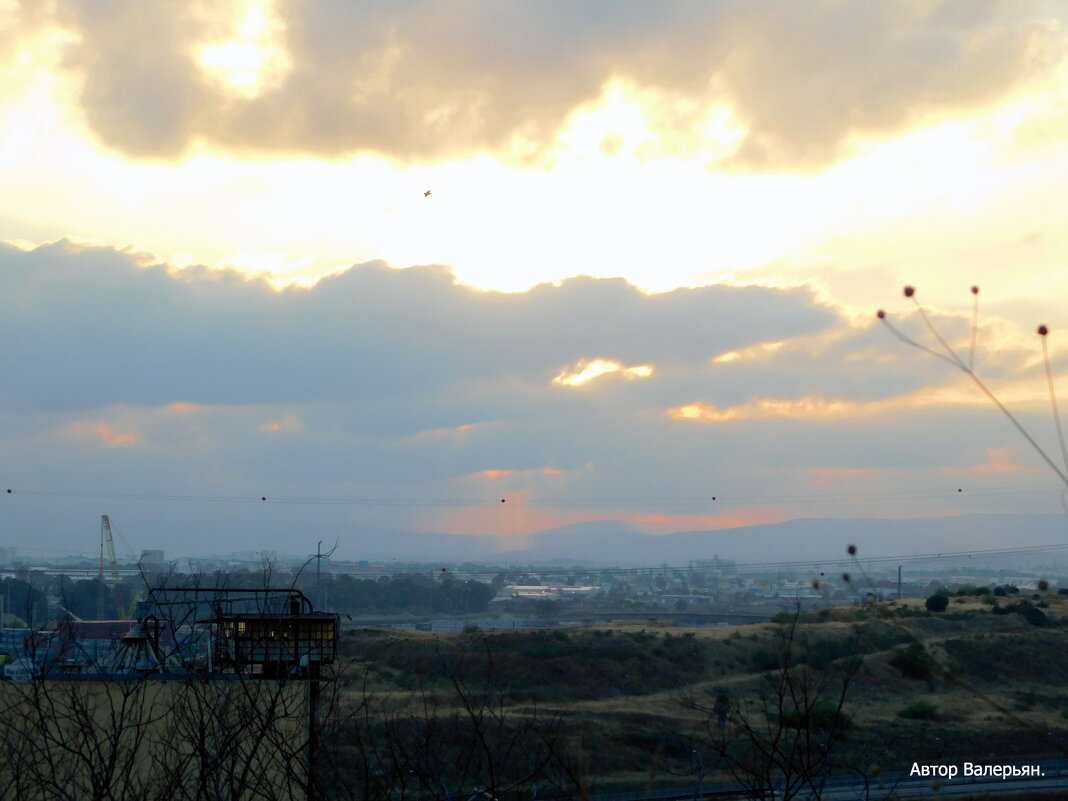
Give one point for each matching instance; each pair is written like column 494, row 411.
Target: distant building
column 545, row 593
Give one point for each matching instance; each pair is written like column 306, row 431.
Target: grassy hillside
column 986, row 680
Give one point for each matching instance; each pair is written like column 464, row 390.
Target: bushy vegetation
column 821, row 715
column 913, row 661
column 919, row 710
column 937, row 603
column 620, row 690
column 972, row 590
column 547, row 664
column 1026, row 609
column 410, row 593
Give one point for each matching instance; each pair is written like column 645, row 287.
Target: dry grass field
column 135, row 738
column 966, row 684
column 554, row 713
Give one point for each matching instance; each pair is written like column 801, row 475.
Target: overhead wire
column 560, row 502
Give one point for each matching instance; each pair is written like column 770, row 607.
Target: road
column 849, row 788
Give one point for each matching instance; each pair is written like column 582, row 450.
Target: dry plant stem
column 1053, row 403
column 975, row 326
column 956, row 362
column 1056, row 417
column 945, row 345
column 908, row 341
column 953, row 359
column 1019, row 427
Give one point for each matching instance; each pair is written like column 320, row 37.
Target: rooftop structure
column 205, row 631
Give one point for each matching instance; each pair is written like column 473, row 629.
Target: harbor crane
column 107, row 543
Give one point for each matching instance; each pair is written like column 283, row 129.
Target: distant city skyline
column 275, row 273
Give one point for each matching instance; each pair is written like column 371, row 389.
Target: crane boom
column 107, row 541
column 107, row 545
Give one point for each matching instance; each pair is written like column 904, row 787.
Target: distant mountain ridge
column 611, row 542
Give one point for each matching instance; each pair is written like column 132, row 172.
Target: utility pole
column 319, row 556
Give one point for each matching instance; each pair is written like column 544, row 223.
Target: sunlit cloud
column 629, row 122
column 19, row 244
column 586, row 370
column 998, row 462
column 753, row 352
column 252, row 60
column 446, row 432
column 958, row 392
column 105, row 433
column 766, row 408
column 644, row 140
column 497, row 475
column 279, row 268
column 182, row 407
column 518, row 519
column 289, row 424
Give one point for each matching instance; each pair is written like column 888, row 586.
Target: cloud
column 102, row 431
column 823, row 476
column 288, row 424
column 95, row 327
column 586, row 370
column 387, row 383
column 403, row 399
column 513, row 524
column 764, row 408
column 815, row 407
column 181, row 407
column 999, row 461
column 497, row 475
column 762, row 350
column 428, row 81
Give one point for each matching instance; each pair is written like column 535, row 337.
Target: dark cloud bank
column 88, row 328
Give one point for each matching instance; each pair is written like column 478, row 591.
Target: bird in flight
column 426, row 193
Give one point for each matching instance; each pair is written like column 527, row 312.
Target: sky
column 276, row 272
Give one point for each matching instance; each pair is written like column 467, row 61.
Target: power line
column 751, row 567
column 561, row 503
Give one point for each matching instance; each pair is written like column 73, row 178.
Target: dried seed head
column 815, row 584
column 1043, row 585
column 880, row 314
column 852, row 550
column 1042, row 330
column 845, row 577
column 910, row 291
column 975, row 290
